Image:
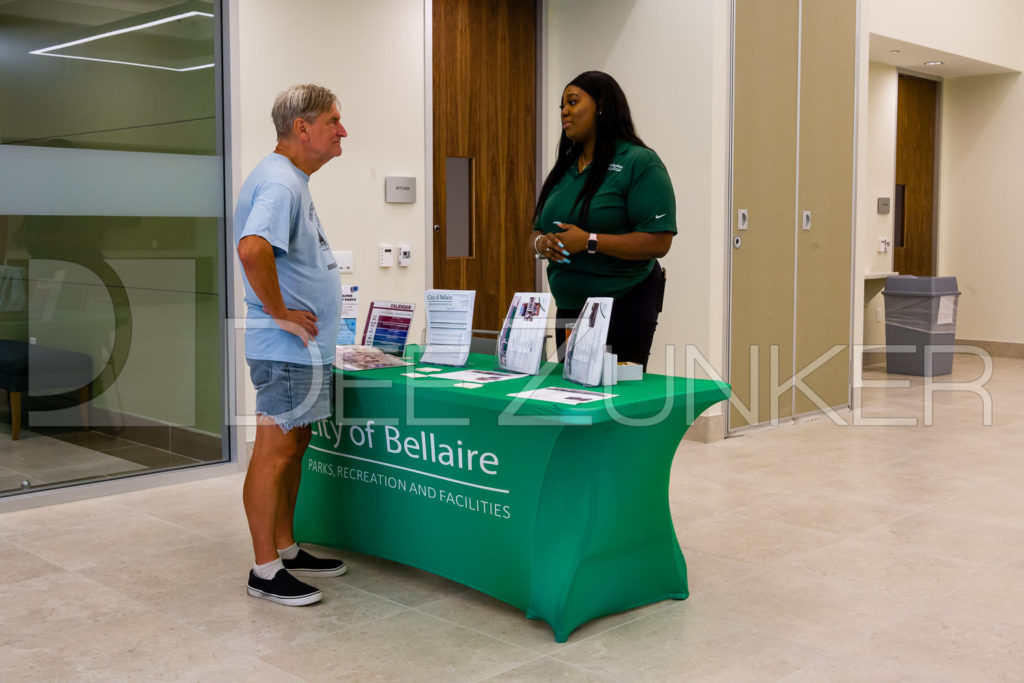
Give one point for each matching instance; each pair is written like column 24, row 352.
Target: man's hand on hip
column 300, row 323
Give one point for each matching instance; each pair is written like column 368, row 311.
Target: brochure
column 387, row 326
column 584, row 354
column 481, row 376
column 349, row 313
column 521, row 342
column 449, row 325
column 566, row 395
column 359, row 357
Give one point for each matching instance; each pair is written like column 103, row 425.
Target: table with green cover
column 559, row 510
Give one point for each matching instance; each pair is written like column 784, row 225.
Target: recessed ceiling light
column 936, row 63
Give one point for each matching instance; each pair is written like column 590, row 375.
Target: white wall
column 981, row 152
column 371, row 54
column 879, row 167
column 986, row 30
column 672, row 60
column 981, row 203
column 876, row 178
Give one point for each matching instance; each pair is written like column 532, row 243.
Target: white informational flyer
column 947, row 310
column 566, row 395
column 479, row 376
column 349, row 313
column 584, row 353
column 449, row 325
column 521, row 342
column 387, row 326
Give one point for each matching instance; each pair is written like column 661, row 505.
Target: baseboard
column 998, row 349
column 706, row 429
column 875, row 359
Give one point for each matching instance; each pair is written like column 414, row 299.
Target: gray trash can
column 919, row 312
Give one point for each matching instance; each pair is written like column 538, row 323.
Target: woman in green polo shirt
column 605, row 213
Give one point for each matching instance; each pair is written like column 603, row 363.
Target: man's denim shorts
column 294, row 395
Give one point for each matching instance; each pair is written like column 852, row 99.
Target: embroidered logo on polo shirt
column 615, row 167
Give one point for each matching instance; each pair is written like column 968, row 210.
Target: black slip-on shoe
column 283, row 589
column 305, row 564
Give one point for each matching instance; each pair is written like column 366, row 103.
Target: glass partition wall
column 111, row 226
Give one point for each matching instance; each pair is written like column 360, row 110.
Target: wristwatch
column 592, row 243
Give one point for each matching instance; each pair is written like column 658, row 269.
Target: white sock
column 269, row 570
column 290, row 552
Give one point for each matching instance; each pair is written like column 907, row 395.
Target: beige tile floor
column 817, row 552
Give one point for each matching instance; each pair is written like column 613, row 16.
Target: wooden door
column 484, row 96
column 828, row 64
column 764, row 185
column 793, row 124
column 914, row 195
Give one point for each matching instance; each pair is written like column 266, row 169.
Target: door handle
column 437, row 228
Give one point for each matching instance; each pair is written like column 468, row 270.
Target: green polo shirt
column 636, row 195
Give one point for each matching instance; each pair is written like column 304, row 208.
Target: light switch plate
column 386, row 257
column 344, row 261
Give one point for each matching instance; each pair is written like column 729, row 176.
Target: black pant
column 634, row 319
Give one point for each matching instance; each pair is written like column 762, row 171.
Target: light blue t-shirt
column 275, row 204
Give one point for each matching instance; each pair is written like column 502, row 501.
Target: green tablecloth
column 560, row 510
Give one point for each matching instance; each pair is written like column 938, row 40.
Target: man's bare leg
column 285, row 520
column 271, row 484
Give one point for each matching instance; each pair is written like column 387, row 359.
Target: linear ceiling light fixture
column 49, row 51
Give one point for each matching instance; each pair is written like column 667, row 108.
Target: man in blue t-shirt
column 293, row 302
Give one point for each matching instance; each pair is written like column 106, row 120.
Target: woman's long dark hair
column 613, row 123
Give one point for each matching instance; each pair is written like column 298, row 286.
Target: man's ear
column 299, row 127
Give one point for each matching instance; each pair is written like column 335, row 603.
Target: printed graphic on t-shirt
column 325, row 248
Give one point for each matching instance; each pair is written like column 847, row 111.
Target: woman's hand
column 573, row 238
column 550, row 247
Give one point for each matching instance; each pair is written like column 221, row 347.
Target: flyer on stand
column 565, row 395
column 356, row 357
column 479, row 376
column 449, row 325
column 584, row 352
column 349, row 313
column 387, row 326
column 521, row 342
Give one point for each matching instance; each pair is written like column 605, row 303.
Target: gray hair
column 307, row 102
